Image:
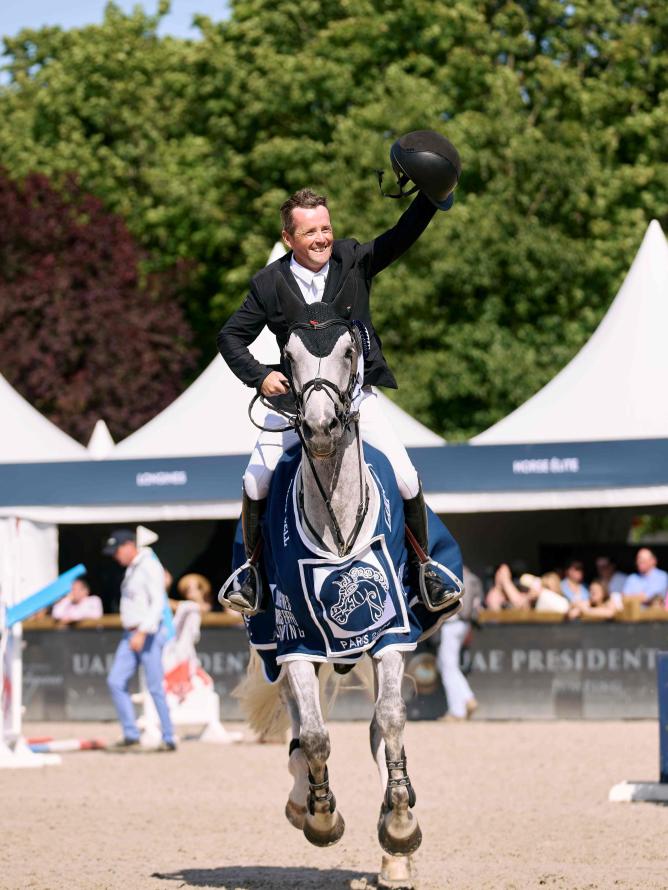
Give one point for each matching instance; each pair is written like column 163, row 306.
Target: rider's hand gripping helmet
column 430, row 161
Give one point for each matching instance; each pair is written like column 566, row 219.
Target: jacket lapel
column 333, row 278
column 289, row 277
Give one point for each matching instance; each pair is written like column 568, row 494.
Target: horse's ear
column 292, row 306
column 344, row 302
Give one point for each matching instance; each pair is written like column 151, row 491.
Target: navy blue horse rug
column 329, row 608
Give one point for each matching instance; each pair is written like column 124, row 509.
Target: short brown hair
column 302, row 198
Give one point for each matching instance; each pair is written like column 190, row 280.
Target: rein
column 344, row 414
column 343, row 546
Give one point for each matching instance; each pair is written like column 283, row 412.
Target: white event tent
column 614, row 388
column 597, row 434
column 28, row 549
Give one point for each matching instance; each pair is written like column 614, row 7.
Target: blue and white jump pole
column 651, row 792
column 14, row 753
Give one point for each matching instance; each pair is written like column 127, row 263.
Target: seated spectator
column 545, row 599
column 78, row 605
column 197, row 589
column 649, row 581
column 602, row 603
column 552, row 581
column 571, row 586
column 505, row 594
column 607, row 572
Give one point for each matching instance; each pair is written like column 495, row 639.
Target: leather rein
column 342, row 400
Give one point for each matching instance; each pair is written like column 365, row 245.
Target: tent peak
column 101, row 443
column 613, row 388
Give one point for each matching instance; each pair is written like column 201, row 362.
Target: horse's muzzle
column 320, row 438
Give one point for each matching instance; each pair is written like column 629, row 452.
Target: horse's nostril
column 333, row 423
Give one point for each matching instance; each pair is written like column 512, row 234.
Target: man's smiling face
column 312, row 237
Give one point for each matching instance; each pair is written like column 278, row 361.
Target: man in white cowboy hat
column 142, row 606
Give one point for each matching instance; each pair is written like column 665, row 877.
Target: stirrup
column 453, row 596
column 232, row 586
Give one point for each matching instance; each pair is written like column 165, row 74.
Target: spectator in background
column 607, row 573
column 544, row 597
column 143, row 599
column 602, row 603
column 505, row 594
column 78, row 605
column 649, row 580
column 461, row 701
column 197, row 589
column 552, row 581
column 571, row 586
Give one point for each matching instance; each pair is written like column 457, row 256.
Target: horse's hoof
column 399, row 836
column 325, row 835
column 295, row 814
column 397, row 873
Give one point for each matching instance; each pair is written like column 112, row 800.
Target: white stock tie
column 318, row 287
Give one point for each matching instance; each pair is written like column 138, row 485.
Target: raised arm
column 389, row 246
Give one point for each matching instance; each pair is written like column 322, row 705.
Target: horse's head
column 322, row 354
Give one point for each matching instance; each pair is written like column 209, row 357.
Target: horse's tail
column 261, row 702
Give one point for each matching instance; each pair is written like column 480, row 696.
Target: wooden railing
column 212, row 619
column 633, row 611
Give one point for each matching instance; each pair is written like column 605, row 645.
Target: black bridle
column 342, row 400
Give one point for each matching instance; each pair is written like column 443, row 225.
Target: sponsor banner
column 567, row 671
column 543, row 467
column 451, row 468
column 65, row 671
column 85, row 483
column 559, row 671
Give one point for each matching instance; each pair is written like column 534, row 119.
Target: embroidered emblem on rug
column 359, row 587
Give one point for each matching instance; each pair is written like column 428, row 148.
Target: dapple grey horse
column 332, row 469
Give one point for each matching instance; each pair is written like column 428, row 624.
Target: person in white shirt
column 143, row 601
column 78, row 605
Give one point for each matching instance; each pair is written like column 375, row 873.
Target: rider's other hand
column 274, row 384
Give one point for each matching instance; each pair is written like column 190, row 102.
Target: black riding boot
column 433, row 590
column 249, row 596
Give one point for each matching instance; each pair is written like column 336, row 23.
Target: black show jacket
column 352, row 268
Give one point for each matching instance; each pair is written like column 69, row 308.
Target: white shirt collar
column 304, row 274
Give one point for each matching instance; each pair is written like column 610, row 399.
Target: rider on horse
column 339, row 272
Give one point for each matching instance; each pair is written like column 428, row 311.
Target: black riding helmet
column 430, row 161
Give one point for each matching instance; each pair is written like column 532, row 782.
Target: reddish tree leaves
column 84, row 332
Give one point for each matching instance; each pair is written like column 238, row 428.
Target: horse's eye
column 349, row 352
column 288, row 357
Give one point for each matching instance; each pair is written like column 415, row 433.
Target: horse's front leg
column 398, row 829
column 323, row 824
column 295, row 808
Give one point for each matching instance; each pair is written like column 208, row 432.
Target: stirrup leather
column 426, row 564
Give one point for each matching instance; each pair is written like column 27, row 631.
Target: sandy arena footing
column 501, row 805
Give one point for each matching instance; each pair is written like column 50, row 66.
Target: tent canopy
column 27, row 436
column 614, row 387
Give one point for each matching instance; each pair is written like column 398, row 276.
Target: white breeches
column 374, row 428
column 457, row 689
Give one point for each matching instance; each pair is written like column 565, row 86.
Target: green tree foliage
column 559, row 111
column 83, row 333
